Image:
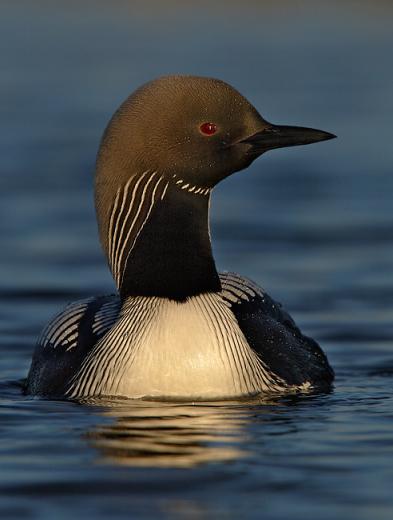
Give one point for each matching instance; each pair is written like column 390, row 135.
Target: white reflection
column 146, row 433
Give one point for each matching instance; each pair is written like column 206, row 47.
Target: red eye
column 208, row 128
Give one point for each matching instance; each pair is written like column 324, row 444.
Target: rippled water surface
column 313, row 225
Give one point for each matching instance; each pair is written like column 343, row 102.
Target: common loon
column 177, row 328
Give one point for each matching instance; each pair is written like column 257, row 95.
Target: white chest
column 161, row 348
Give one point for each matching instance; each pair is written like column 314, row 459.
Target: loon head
column 200, row 129
column 174, row 136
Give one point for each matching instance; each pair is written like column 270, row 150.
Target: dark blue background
column 313, row 225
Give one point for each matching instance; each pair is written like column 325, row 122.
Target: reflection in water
column 171, row 434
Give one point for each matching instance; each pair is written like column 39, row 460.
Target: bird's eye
column 208, row 128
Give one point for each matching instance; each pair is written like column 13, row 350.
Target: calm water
column 313, row 225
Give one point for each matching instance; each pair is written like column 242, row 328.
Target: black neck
column 172, row 255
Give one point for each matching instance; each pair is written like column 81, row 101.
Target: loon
column 176, row 329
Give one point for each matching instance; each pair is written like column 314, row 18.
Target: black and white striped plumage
column 129, row 213
column 177, row 329
column 267, row 352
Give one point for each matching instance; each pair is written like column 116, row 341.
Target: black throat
column 172, row 256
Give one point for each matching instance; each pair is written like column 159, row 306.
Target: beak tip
column 329, row 136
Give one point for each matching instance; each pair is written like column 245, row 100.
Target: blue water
column 313, row 225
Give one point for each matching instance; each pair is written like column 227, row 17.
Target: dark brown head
column 200, row 129
column 164, row 149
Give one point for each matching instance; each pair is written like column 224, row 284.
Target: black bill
column 277, row 136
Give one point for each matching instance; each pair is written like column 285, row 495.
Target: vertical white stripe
column 115, row 237
column 123, row 221
column 164, row 192
column 152, row 202
column 123, row 242
column 110, row 227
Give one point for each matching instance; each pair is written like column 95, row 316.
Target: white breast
column 162, row 348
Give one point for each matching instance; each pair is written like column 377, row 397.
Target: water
column 313, row 225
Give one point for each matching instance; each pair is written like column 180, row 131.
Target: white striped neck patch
column 158, row 241
column 131, row 210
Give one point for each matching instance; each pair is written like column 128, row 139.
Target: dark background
column 313, row 225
